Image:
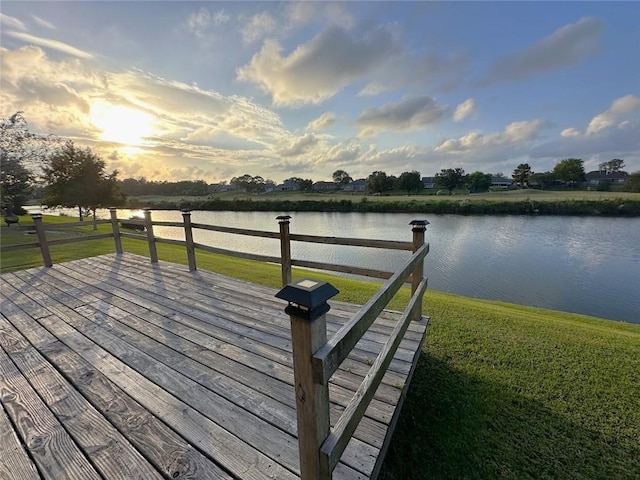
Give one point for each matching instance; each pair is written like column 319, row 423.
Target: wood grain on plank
column 52, row 449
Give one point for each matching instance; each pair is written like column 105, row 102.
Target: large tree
column 611, row 166
column 410, row 181
column 379, row 182
column 341, row 178
column 450, row 178
column 521, row 174
column 570, row 170
column 21, row 154
column 304, row 185
column 478, row 182
column 76, row 177
column 632, row 182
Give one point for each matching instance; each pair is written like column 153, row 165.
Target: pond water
column 587, row 265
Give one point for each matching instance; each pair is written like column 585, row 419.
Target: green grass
column 507, row 195
column 500, row 391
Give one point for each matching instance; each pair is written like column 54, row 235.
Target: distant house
column 598, row 177
column 501, row 182
column 287, row 186
column 359, row 185
column 324, row 186
column 429, row 182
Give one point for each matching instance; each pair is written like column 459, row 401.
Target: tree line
column 71, row 176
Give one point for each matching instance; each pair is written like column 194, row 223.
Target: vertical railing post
column 153, row 252
column 188, row 237
column 115, row 228
column 307, row 310
column 285, row 248
column 418, row 227
column 42, row 239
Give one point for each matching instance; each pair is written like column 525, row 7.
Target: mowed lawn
column 511, row 195
column 500, row 391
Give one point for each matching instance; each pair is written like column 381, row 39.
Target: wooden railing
column 315, row 357
column 44, row 244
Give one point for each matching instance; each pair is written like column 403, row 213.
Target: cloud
column 466, row 108
column 616, row 131
column 42, row 22
column 621, row 141
column 317, row 70
column 410, row 113
column 323, row 121
column 192, row 125
column 299, row 145
column 258, row 27
column 516, row 133
column 52, row 44
column 618, row 111
column 12, row 22
column 434, row 71
column 566, row 46
column 200, row 22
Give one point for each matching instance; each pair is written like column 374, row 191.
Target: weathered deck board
column 146, row 370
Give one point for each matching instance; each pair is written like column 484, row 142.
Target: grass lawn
column 501, row 390
column 509, row 195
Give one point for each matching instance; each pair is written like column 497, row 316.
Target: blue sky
column 212, row 90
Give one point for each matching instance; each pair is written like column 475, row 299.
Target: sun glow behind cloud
column 124, row 125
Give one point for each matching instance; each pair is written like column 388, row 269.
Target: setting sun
column 120, row 124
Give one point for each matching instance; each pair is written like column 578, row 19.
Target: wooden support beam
column 116, row 230
column 188, row 236
column 153, row 251
column 42, row 239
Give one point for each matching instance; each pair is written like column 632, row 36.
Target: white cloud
column 191, row 125
column 317, row 70
column 616, row 113
column 570, row 132
column 12, row 22
column 52, row 44
column 410, row 113
column 466, row 108
column 200, row 22
column 299, row 145
column 42, row 22
column 616, row 141
column 566, row 46
column 323, row 121
column 258, row 27
column 516, row 133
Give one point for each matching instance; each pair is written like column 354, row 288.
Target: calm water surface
column 585, row 265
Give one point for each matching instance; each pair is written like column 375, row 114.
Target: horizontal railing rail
column 327, row 360
column 337, row 441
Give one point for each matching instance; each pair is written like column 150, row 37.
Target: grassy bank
column 501, row 391
column 519, row 202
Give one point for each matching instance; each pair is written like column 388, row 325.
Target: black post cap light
column 307, row 298
column 283, row 218
column 421, row 223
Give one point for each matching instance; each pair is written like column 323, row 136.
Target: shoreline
column 615, row 207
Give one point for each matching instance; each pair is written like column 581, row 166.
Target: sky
column 212, row 90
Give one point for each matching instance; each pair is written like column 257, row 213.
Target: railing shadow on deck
column 315, row 357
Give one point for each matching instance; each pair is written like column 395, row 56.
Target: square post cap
column 283, row 218
column 307, row 298
column 418, row 225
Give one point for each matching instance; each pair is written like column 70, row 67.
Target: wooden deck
column 112, row 367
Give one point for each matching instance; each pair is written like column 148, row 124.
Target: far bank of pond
column 459, row 205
